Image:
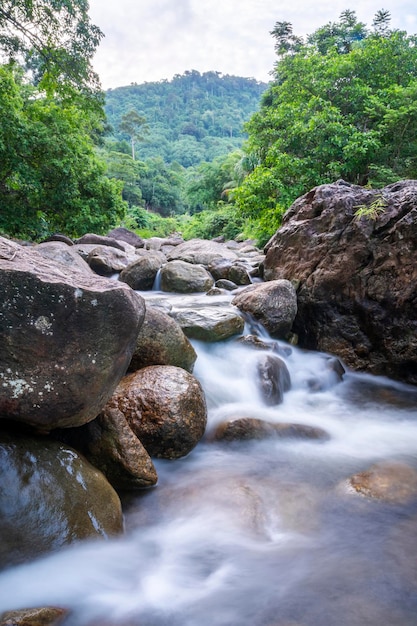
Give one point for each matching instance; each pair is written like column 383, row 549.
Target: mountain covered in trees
column 192, row 118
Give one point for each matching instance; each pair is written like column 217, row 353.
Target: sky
column 152, row 40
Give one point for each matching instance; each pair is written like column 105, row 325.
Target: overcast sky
column 151, row 40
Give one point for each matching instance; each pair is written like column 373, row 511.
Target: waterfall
column 255, row 533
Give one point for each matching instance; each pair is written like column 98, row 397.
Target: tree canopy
column 343, row 104
column 55, row 39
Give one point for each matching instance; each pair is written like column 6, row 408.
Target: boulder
column 183, row 277
column 249, row 428
column 201, row 252
column 273, row 304
column 357, row 275
column 141, row 274
column 49, row 497
column 161, row 341
column 209, row 323
column 126, row 235
column 99, row 240
column 64, row 254
column 165, row 407
column 389, row 481
column 105, row 260
column 109, row 444
column 274, row 379
column 66, row 339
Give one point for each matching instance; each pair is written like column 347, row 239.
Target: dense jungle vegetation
column 205, row 154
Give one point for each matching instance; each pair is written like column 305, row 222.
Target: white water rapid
column 261, row 533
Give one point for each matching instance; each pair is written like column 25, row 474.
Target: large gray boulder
column 50, row 496
column 184, row 277
column 66, row 339
column 209, row 323
column 140, row 275
column 357, row 275
column 273, row 304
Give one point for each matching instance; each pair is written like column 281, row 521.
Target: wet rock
column 392, row 482
column 209, row 323
column 165, row 407
column 183, row 277
column 141, row 274
column 61, row 358
column 358, row 277
column 219, row 268
column 161, row 341
column 49, row 497
column 223, row 283
column 109, row 444
column 274, row 379
column 48, row 616
column 239, row 274
column 250, row 428
column 273, row 304
column 128, row 236
column 201, row 252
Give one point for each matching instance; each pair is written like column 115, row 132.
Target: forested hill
column 192, row 118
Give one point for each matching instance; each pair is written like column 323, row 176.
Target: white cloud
column 155, row 39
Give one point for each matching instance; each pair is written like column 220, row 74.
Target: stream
column 259, row 533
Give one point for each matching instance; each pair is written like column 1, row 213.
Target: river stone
column 141, row 274
column 49, row 497
column 66, row 339
column 392, row 482
column 59, row 252
column 209, row 323
column 126, row 235
column 248, row 428
column 273, row 304
column 183, row 277
column 274, row 379
column 201, row 251
column 99, row 240
column 105, row 260
column 165, row 407
column 357, row 277
column 109, row 444
column 48, row 616
column 161, row 341
column 239, row 274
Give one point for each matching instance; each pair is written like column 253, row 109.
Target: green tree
column 343, row 106
column 134, row 126
column 50, row 175
column 55, row 38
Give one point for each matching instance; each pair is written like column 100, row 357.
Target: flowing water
column 262, row 533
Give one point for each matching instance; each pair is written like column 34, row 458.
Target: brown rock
column 48, row 616
column 165, row 407
column 388, row 481
column 358, row 277
column 249, row 428
column 141, row 274
column 66, row 339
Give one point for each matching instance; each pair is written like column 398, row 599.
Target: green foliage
column 50, row 176
column 192, row 118
column 223, row 220
column 372, row 210
column 57, row 41
column 342, row 105
column 147, row 224
column 210, row 183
